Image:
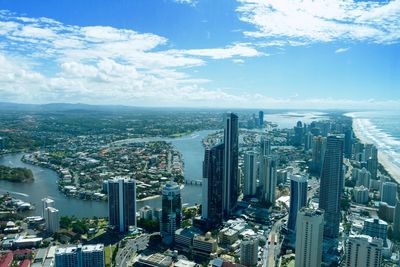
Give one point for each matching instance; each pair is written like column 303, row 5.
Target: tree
column 65, row 222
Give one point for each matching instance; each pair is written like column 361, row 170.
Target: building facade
column 122, row 203
column 331, row 185
column 267, row 176
column 213, row 172
column 249, row 252
column 363, row 251
column 231, row 180
column 171, row 214
column 309, row 238
column 80, row 256
column 298, row 199
column 250, row 174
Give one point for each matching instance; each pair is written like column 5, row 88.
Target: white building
column 52, row 220
column 46, row 203
column 363, row 251
column 268, row 178
column 309, row 236
column 80, row 256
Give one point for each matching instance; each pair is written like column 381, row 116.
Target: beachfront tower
column 331, row 185
column 250, row 174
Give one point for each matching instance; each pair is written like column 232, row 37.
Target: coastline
column 383, row 157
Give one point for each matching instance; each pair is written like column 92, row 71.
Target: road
column 131, row 247
column 272, row 250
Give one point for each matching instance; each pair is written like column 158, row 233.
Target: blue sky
column 244, row 53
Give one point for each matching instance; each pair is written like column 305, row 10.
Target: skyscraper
column 268, row 178
column 348, row 142
column 249, row 252
column 298, row 198
column 46, row 203
column 122, row 203
column 363, row 177
column 52, row 220
column 261, row 118
column 363, row 251
column 389, row 193
column 298, row 134
column 171, row 214
column 318, row 152
column 331, row 185
column 371, row 156
column 265, row 147
column 309, row 236
column 213, row 169
column 231, row 158
column 80, row 256
column 250, row 174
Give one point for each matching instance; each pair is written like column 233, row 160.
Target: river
column 45, row 183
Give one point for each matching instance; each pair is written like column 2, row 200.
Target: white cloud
column 187, row 2
column 236, row 50
column 322, row 21
column 44, row 60
column 341, row 50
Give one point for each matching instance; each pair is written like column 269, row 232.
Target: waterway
column 45, row 183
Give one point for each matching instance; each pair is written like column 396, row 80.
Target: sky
column 202, row 53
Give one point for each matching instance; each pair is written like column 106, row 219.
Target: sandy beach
column 383, row 157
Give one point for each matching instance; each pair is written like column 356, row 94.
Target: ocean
column 381, row 128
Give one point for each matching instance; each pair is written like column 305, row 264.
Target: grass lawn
column 108, row 251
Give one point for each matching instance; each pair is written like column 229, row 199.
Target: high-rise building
column 363, row 251
column 308, row 139
column 318, row 152
column 80, row 256
column 348, row 143
column 122, row 203
column 249, row 252
column 231, row 160
column 371, row 157
column 46, row 203
column 331, row 185
column 389, row 193
column 250, row 174
column 298, row 198
column 267, row 177
column 363, row 177
column 212, row 209
column 52, row 220
column 265, row 147
column 298, row 134
column 261, row 118
column 360, row 194
column 396, row 221
column 376, row 228
column 358, row 153
column 171, row 214
column 309, row 237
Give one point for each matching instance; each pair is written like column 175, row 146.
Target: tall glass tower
column 213, row 169
column 122, row 203
column 331, row 184
column 298, row 198
column 171, row 214
column 231, row 158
